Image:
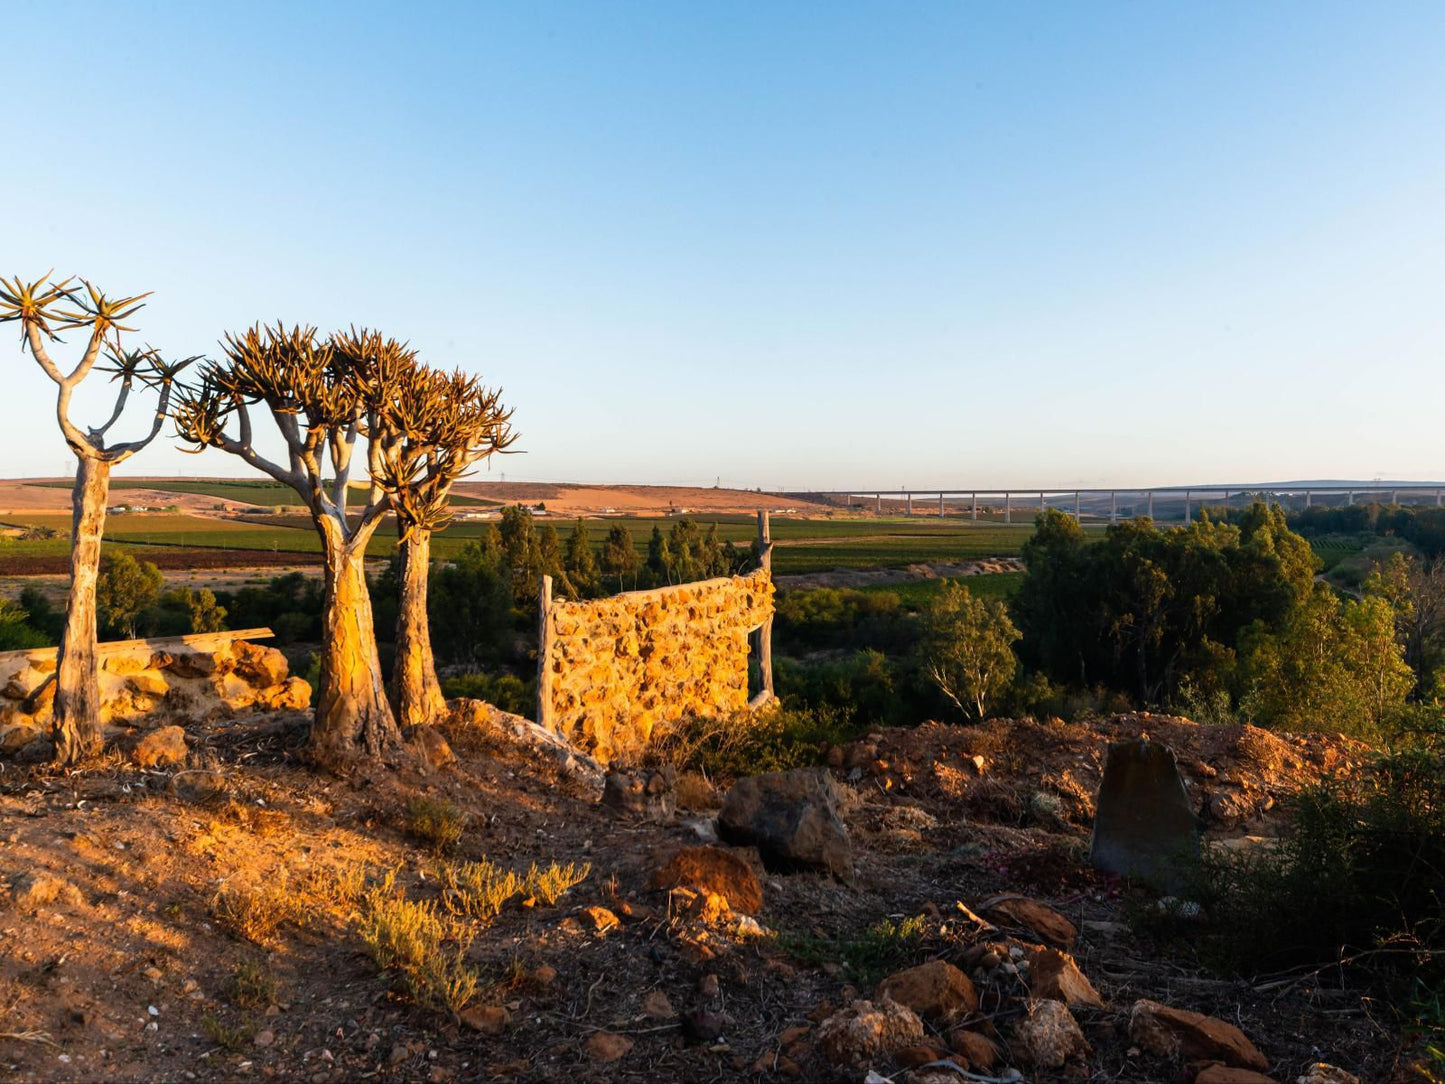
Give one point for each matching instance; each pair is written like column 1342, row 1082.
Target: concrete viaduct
column 1110, row 504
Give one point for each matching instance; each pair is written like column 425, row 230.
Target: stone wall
column 149, row 683
column 615, row 668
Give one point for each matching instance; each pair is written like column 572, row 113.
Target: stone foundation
column 150, row 683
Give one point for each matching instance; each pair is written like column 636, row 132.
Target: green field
column 915, row 594
column 800, row 545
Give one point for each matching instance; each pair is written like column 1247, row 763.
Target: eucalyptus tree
column 432, row 427
column 45, row 308
column 324, row 403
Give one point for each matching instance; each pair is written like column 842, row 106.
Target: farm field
column 800, row 545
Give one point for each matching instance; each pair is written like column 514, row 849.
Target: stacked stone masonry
column 620, row 667
column 149, row 683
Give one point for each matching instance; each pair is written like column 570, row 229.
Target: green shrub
column 1360, row 875
column 505, row 691
column 731, row 747
column 882, row 948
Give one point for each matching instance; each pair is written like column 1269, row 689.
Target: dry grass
column 255, row 913
column 423, row 949
column 552, row 883
column 436, row 822
column 478, row 889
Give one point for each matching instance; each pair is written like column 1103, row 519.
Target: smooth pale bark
column 353, row 716
column 419, row 700
column 76, row 726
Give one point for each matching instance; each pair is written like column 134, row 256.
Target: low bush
column 550, row 883
column 1359, row 879
column 881, row 949
column 478, row 889
column 252, row 986
column 730, row 747
column 254, row 913
column 423, row 950
column 436, row 822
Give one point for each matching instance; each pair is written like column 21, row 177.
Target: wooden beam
column 195, row 641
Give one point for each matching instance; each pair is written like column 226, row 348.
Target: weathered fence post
column 544, row 654
column 765, row 630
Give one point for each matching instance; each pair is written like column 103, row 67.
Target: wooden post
column 909, row 498
column 765, row 630
column 1114, row 507
column 1077, row 518
column 1151, row 504
column 1008, row 508
column 940, row 502
column 973, row 514
column 544, row 654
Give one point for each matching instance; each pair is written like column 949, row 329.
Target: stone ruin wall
column 150, row 683
column 618, row 667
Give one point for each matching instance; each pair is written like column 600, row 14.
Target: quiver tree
column 318, row 398
column 43, row 309
column 431, row 429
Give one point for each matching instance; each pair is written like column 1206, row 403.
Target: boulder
column 293, row 694
column 18, row 735
column 1048, row 1036
column 1320, row 1073
column 936, row 991
column 641, row 794
column 792, row 818
column 151, row 683
column 199, row 664
column 259, row 665
column 1144, row 826
column 1054, row 975
column 162, row 746
column 981, row 1051
column 1030, row 914
column 865, row 1029
column 713, row 870
column 1170, row 1032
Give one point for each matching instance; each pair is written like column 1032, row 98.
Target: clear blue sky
column 788, row 244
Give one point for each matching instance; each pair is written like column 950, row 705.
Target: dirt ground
column 127, row 973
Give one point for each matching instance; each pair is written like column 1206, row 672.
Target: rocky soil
column 964, row 934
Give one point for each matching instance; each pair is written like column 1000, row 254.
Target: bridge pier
column 1307, row 498
column 908, row 508
column 940, row 506
column 1008, row 512
column 1078, row 518
column 878, row 506
column 1187, row 519
column 1042, row 508
column 974, row 514
column 1113, row 507
column 1151, row 504
column 1350, row 499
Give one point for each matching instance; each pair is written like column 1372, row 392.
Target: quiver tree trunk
column 76, row 727
column 419, row 699
column 353, row 716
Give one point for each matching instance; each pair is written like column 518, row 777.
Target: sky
column 789, row 245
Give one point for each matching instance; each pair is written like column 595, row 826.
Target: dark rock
column 792, row 818
column 641, row 794
column 1143, row 824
